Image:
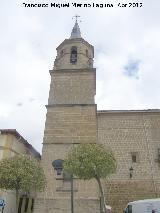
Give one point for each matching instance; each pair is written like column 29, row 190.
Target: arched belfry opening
column 73, row 56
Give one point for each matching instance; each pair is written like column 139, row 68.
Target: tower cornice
column 70, row 105
column 80, row 40
column 72, row 70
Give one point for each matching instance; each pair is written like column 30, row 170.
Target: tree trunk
column 17, row 198
column 102, row 194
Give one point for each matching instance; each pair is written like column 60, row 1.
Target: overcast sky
column 127, row 57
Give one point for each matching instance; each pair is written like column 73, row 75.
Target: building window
column 87, row 53
column 73, row 57
column 32, row 204
column 159, row 155
column 20, row 205
column 135, row 157
column 26, row 204
column 62, row 52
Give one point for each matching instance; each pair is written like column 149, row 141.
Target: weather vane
column 76, row 17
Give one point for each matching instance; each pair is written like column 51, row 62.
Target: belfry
column 70, row 120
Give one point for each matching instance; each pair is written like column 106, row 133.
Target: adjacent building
column 11, row 144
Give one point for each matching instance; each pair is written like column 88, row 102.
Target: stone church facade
column 72, row 118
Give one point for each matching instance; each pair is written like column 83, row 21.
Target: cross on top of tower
column 76, row 33
column 76, row 17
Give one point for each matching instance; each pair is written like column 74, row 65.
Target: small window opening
column 32, row 204
column 62, row 52
column 73, row 57
column 26, row 204
column 20, row 204
column 87, row 53
column 134, row 157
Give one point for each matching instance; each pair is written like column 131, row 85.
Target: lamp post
column 58, row 167
column 131, row 172
column 72, row 207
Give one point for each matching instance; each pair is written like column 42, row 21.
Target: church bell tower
column 70, row 120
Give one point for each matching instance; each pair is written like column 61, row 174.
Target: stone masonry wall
column 64, row 206
column 56, row 198
column 72, row 87
column 125, row 133
column 119, row 193
column 71, row 124
column 56, row 187
column 66, row 126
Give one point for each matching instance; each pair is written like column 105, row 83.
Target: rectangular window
column 134, row 157
column 26, row 204
column 20, row 205
column 32, row 204
column 158, row 153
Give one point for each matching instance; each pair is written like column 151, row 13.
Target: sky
column 127, row 56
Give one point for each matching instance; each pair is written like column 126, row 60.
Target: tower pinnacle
column 76, row 33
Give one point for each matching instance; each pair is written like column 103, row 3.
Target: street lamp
column 58, row 167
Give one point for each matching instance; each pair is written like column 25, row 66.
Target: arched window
column 73, row 56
